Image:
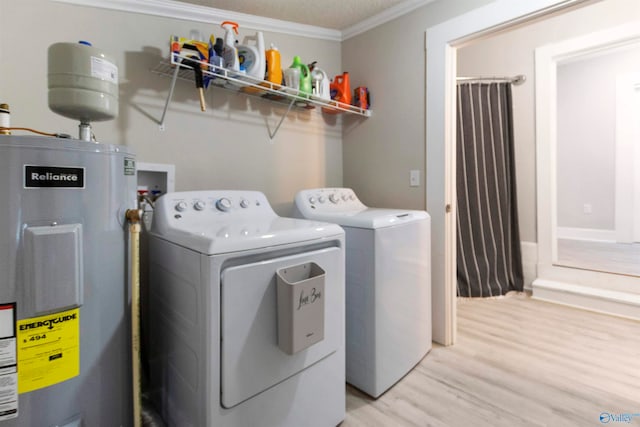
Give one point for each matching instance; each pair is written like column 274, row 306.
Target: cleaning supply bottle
column 305, row 76
column 320, row 85
column 340, row 92
column 5, row 119
column 218, row 46
column 230, row 52
column 215, row 59
column 215, row 53
column 273, row 69
column 252, row 56
column 340, row 88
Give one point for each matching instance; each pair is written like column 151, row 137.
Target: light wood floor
column 621, row 258
column 517, row 362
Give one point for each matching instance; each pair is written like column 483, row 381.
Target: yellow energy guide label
column 48, row 349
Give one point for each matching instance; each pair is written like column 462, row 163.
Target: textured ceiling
column 334, row 14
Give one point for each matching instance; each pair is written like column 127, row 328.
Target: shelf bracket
column 275, row 131
column 174, row 78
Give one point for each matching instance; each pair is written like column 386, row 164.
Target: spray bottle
column 230, row 52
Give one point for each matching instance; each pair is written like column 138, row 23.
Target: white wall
column 586, row 90
column 512, row 52
column 380, row 151
column 225, row 147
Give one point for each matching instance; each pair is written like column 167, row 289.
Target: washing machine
column 226, row 345
column 388, row 285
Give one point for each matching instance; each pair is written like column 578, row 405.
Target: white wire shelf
column 250, row 86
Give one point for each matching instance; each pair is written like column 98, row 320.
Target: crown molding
column 383, row 17
column 178, row 10
column 191, row 12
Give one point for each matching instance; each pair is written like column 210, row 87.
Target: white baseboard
column 529, row 263
column 615, row 303
column 592, row 234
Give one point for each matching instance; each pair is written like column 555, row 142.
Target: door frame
column 441, row 44
column 627, row 216
column 547, row 59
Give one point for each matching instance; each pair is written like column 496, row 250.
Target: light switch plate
column 414, row 178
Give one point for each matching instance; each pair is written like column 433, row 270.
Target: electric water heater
column 64, row 294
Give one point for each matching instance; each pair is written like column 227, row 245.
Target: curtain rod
column 516, row 80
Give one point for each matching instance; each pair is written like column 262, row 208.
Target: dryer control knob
column 312, row 200
column 345, row 197
column 181, row 206
column 223, row 204
column 199, row 205
column 322, row 199
column 334, row 198
column 352, row 197
column 244, row 203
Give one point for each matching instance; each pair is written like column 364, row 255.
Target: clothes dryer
column 215, row 348
column 388, row 285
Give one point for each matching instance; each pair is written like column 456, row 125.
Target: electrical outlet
column 587, row 209
column 414, row 178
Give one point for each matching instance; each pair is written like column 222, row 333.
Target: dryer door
column 250, row 358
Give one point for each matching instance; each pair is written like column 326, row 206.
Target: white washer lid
column 370, row 217
column 341, row 206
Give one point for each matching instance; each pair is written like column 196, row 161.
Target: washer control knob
column 312, row 200
column 352, row 197
column 345, row 197
column 181, row 206
column 322, row 199
column 223, row 204
column 244, row 203
column 199, row 205
column 334, row 198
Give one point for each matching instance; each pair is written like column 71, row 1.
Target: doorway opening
column 442, row 42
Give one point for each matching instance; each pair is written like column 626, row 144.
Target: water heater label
column 53, row 177
column 129, row 166
column 8, row 367
column 48, row 350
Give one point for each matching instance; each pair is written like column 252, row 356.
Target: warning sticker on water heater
column 48, row 350
column 8, row 374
